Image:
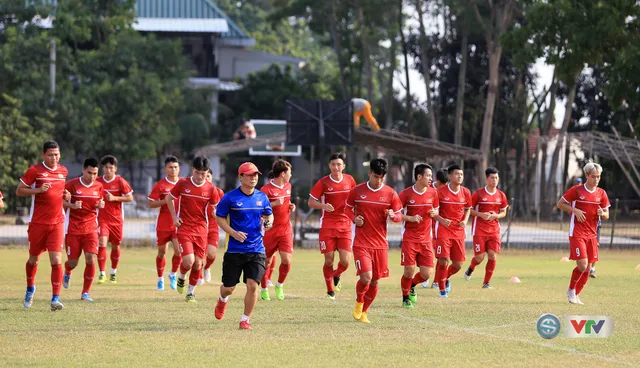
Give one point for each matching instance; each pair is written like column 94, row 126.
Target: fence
column 524, row 228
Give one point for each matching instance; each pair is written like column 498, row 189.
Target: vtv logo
column 588, row 326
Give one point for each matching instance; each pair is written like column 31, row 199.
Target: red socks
column 102, row 258
column 175, row 262
column 417, row 279
column 340, row 270
column 582, row 282
column 56, row 278
column 283, row 271
column 194, row 276
column 89, row 272
column 115, row 256
column 160, row 263
column 473, row 264
column 405, row 284
column 209, row 262
column 31, row 274
column 361, row 289
column 488, row 273
column 369, row 297
column 441, row 271
column 67, row 269
column 327, row 271
column 575, row 277
column 452, row 270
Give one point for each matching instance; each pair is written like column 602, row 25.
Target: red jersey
column 483, row 201
column 160, row 191
column 373, row 205
column 113, row 212
column 193, row 201
column 1, row 195
column 416, row 203
column 46, row 208
column 83, row 220
column 580, row 197
column 213, row 225
column 452, row 207
column 281, row 213
column 328, row 190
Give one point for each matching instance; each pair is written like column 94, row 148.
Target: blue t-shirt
column 244, row 213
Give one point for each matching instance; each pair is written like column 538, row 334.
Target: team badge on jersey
column 330, row 189
column 259, row 203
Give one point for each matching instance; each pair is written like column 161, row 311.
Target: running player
column 441, row 179
column 455, row 207
column 586, row 204
column 44, row 183
column 165, row 229
column 194, row 194
column 373, row 203
column 242, row 214
column 280, row 238
column 82, row 224
column 420, row 202
column 213, row 234
column 489, row 205
column 111, row 218
column 329, row 194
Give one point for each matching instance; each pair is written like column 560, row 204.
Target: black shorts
column 250, row 265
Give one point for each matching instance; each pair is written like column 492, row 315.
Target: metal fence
column 542, row 227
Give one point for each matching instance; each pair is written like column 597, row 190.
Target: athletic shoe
column 592, row 273
column 280, row 292
column 190, row 298
column 180, row 286
column 102, row 278
column 337, row 285
column 173, row 282
column 363, row 318
column 357, row 310
column 425, row 284
column 207, row 276
column 571, row 295
column 467, row 274
column 161, row 285
column 434, row 285
column 66, row 280
column 578, row 301
column 28, row 297
column 56, row 305
column 245, row 325
column 220, row 308
column 113, row 279
column 443, row 294
column 407, row 304
column 413, row 296
column 487, row 286
column 448, row 286
column 200, row 282
column 86, row 297
column 264, row 294
column 331, row 297
column 269, row 283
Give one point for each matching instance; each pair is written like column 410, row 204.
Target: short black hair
column 170, row 160
column 441, row 176
column 420, row 169
column 50, row 144
column 453, row 168
column 379, row 166
column 278, row 168
column 490, row 170
column 90, row 162
column 201, row 163
column 338, row 155
column 109, row 159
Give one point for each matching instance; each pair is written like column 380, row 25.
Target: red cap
column 248, row 168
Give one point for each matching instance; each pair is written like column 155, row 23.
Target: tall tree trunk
column 426, row 67
column 158, row 164
column 366, row 59
column 335, row 35
column 405, row 53
column 462, row 76
column 545, row 129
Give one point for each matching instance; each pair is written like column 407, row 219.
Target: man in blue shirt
column 242, row 213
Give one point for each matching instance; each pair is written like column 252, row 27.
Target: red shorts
column 414, row 253
column 277, row 243
column 482, row 244
column 581, row 248
column 193, row 244
column 44, row 237
column 163, row 237
column 213, row 237
column 76, row 243
column 113, row 233
column 376, row 260
column 452, row 249
column 334, row 239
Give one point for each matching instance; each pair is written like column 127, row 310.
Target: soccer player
column 165, row 229
column 280, row 238
column 194, row 195
column 44, row 183
column 82, row 224
column 213, row 234
column 242, row 213
column 489, row 205
column 420, row 202
column 111, row 218
column 362, row 108
column 586, row 204
column 373, row 202
column 269, row 272
column 441, row 179
column 455, row 208
column 330, row 194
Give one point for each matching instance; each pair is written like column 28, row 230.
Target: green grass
column 132, row 325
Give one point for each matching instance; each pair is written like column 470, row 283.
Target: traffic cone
column 565, row 259
column 515, row 279
column 638, row 267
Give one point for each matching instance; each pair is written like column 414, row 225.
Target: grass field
column 131, row 324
